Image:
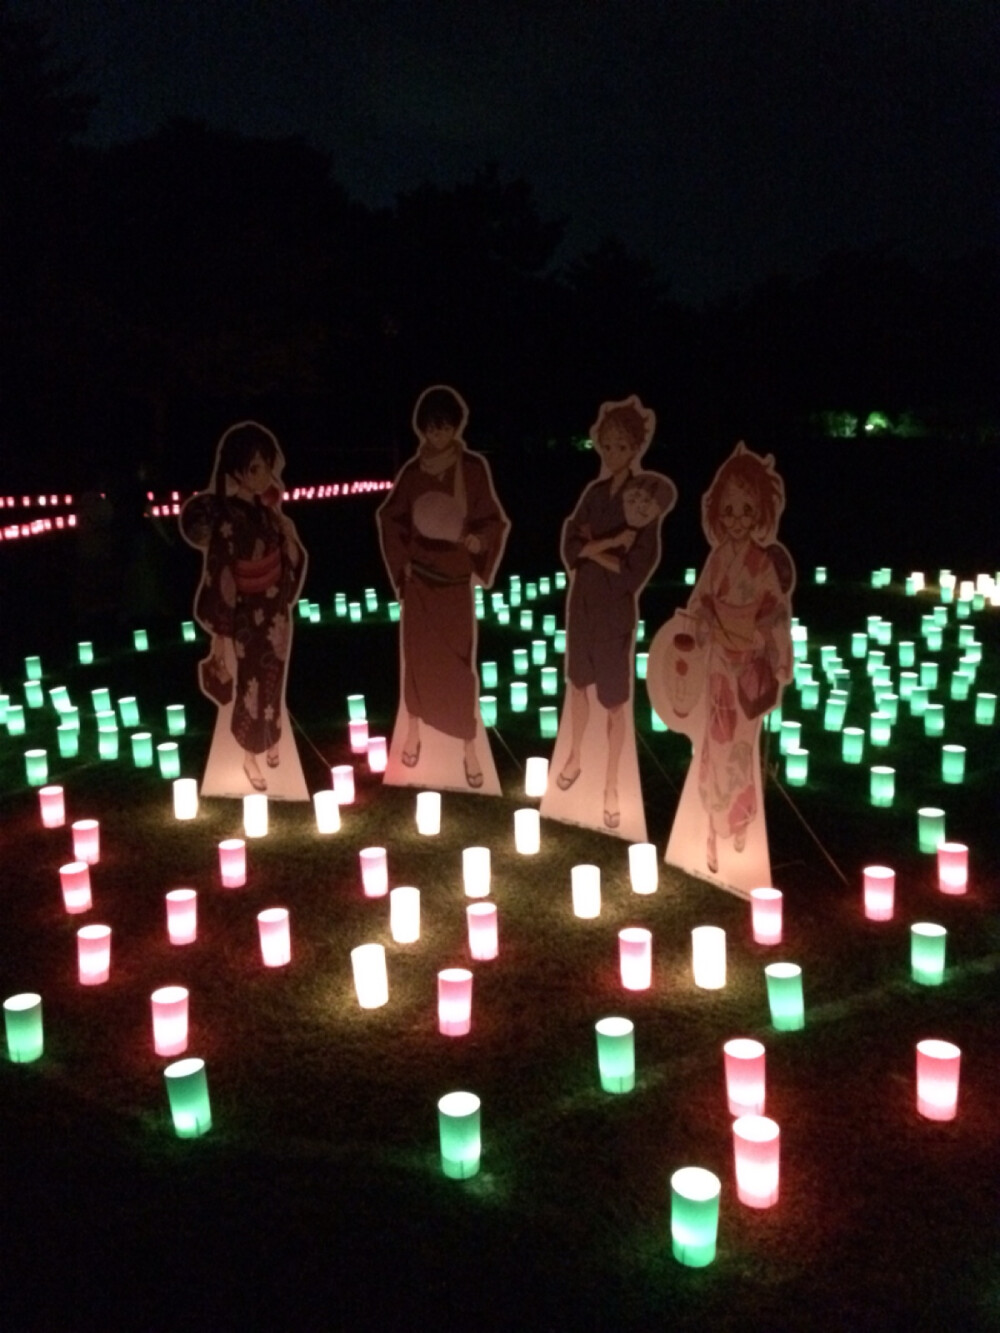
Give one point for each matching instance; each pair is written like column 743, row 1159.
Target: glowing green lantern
column 531, row 592
column 784, row 996
column 340, row 604
column 140, row 639
column 59, row 695
column 908, row 681
column 520, row 657
column 514, row 595
column 935, row 639
column 548, row 722
column 791, row 733
column 774, row 719
column 616, row 1054
column 796, row 767
column 354, row 612
column 371, row 600
column 859, row 644
column 883, row 633
column 694, row 1215
column 690, row 575
column 187, row 1094
column 656, row 722
column 85, row 652
column 176, row 720
column 986, row 709
column 36, row 767
column 128, row 710
column 953, row 764
column 107, row 720
column 4, row 705
column 559, row 641
column 168, row 758
column 560, row 580
column 934, row 720
column 641, row 665
column 16, row 723
column 489, row 675
column 930, row 828
column 961, row 684
column 315, row 615
column 882, row 785
column 819, row 574
column 919, row 700
column 835, row 710
column 539, row 650
column 188, row 631
column 518, row 696
column 548, row 626
column 963, row 609
column 880, row 729
column 356, row 710
column 966, row 636
column 33, row 668
column 910, row 586
column 809, row 695
column 940, row 614
column 23, row 1022
column 550, row 681
column 34, row 694
column 802, row 673
column 107, row 744
column 874, row 661
column 488, row 709
column 68, row 738
column 395, row 610
column 304, row 605
column 888, row 703
column 102, row 699
column 503, row 615
column 527, row 620
column 928, row 947
column 459, row 1134
column 71, row 717
column 142, row 749
column 907, row 651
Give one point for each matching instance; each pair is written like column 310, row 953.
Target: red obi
column 258, row 575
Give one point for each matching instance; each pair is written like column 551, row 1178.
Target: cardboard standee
column 253, row 569
column 610, row 548
column 441, row 530
column 718, row 666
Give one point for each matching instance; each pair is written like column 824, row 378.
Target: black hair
column 438, row 407
column 238, row 448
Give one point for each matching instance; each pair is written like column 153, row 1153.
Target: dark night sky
column 723, row 139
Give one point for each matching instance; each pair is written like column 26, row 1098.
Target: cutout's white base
column 441, row 765
column 224, row 775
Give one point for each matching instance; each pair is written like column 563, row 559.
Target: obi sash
column 254, row 576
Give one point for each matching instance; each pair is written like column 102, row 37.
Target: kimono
column 248, row 588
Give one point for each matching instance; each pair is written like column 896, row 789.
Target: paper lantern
column 371, row 600
column 961, row 684
column 481, row 919
column 986, row 709
column 929, row 674
column 342, row 776
column 371, row 981
column 142, row 749
column 168, row 757
column 68, row 737
column 182, row 916
column 880, row 728
column 488, row 709
column 643, row 867
column 527, row 620
column 233, row 863
column 879, row 892
column 536, row 777
column 616, row 1054
column 404, row 914
column 784, row 996
column 378, row 754
column 859, row 644
column 835, row 710
column 938, row 1064
column 765, row 915
column 928, row 946
column 327, row 810
column 141, row 640
column 744, row 1061
column 953, row 867
column 559, row 641
column 170, row 1020
column 518, row 696
column 934, row 720
column 101, row 698
column 797, row 767
column 354, row 612
column 23, row 1023
column 882, row 785
column 429, row 813
column 340, row 604
column 459, row 1134
column 374, row 871
column 358, row 731
column 852, row 745
column 107, row 745
column 790, row 735
column 548, row 722
column 34, row 694
column 953, row 763
column 107, row 719
column 503, row 615
column 489, row 675
column 694, row 1215
column 52, row 806
column 454, row 1001
column 527, row 832
column 15, row 720
column 539, row 652
column 86, row 841
column 36, row 767
column 128, row 711
column 690, row 576
column 585, row 881
column 275, row 936
column 635, row 957
column 756, row 1141
column 74, row 879
column 93, row 953
column 708, row 957
column 187, row 1095
column 185, row 798
column 85, row 652
column 919, row 700
column 188, row 631
column 520, row 657
column 930, row 828
column 656, row 722
column 176, row 720
column 476, row 871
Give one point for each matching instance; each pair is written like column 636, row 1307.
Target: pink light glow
column 378, row 753
column 756, row 1147
column 374, row 871
column 483, row 939
column 182, row 916
column 275, row 936
column 75, row 880
column 93, row 951
column 233, row 863
column 938, row 1064
column 454, row 1001
column 358, row 731
column 87, row 841
column 766, row 913
column 170, row 1020
column 635, row 957
column 745, row 1076
column 953, row 867
column 342, row 778
column 52, row 806
column 880, row 889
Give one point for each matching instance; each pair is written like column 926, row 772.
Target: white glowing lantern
column 635, row 957
column 527, row 831
column 75, row 881
column 586, row 885
column 52, row 805
column 185, row 798
column 170, row 1020
column 275, row 936
column 454, row 1001
column 93, row 951
column 938, row 1065
column 483, row 937
column 404, row 914
column 643, row 868
column 953, row 867
column 378, row 754
column 255, row 815
column 756, row 1145
column 744, row 1061
column 327, row 809
column 342, row 776
column 358, row 728
column 766, row 914
column 182, row 916
column 371, row 981
column 429, row 813
column 476, row 871
column 879, row 892
column 374, row 871
column 708, row 957
column 87, row 841
column 233, row 863
column 536, row 777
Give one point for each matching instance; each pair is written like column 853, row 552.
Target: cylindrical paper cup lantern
column 358, row 731
column 374, row 871
column 142, row 749
column 460, row 1135
column 128, row 711
column 182, row 916
column 882, row 785
column 635, row 957
column 356, row 709
column 476, row 871
column 255, row 814
column 930, row 828
column 52, row 805
column 548, row 722
column 168, row 757
column 550, row 680
column 586, row 887
column 520, row 660
column 489, row 675
column 744, row 1061
column 789, row 736
column 404, row 914
column 784, row 996
column 986, row 709
column 140, row 639
column 87, row 841
column 953, row 763
column 85, row 652
column 518, row 696
column 934, row 720
column 708, row 956
column 233, row 863
column 187, row 1093
column 488, row 709
column 766, row 915
column 694, row 1215
column 938, row 1064
column 23, row 1023
column 93, row 953
column 275, row 936
column 15, row 721
column 429, row 813
column 756, row 1147
column 371, row 981
column 185, row 798
column 454, row 1001
column 176, row 719
column 342, row 776
column 928, row 946
column 953, row 867
column 852, row 745
column 327, row 810
column 74, row 877
column 68, row 738
column 643, row 867
column 527, row 832
column 879, row 892
column 107, row 744
column 378, row 754
column 36, row 767
column 170, row 1020
column 616, row 1054
column 536, row 777
column 483, row 936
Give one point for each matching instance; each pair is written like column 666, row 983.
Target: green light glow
column 928, row 946
column 784, row 996
column 616, row 1054
column 460, row 1134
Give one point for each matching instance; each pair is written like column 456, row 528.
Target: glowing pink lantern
column 87, row 841
column 635, row 957
column 75, row 880
column 275, row 937
column 765, row 909
column 52, row 806
column 170, row 1020
column 880, row 890
column 953, row 867
column 342, row 777
column 182, row 916
column 358, row 728
column 756, row 1145
column 93, row 953
column 454, row 1001
column 745, row 1076
column 483, row 939
column 233, row 863
column 378, row 754
column 938, row 1064
column 374, row 871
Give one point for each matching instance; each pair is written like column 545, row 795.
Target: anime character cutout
column 717, row 667
column 442, row 530
column 610, row 547
column 253, row 569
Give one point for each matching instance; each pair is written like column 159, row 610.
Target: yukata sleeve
column 577, row 529
column 204, row 523
column 485, row 519
column 395, row 527
column 639, row 561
